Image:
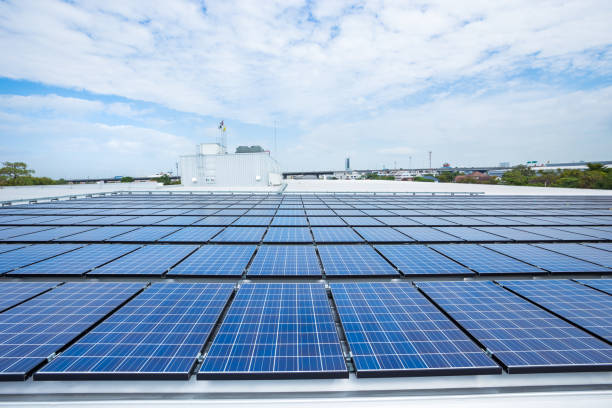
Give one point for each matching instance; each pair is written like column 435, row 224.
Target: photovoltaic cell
column 150, row 260
column 281, row 330
column 606, row 246
column 355, row 260
column 397, row 221
column 515, row 234
column 431, row 221
column 604, row 285
column 583, row 252
column 144, row 234
column 393, row 330
column 144, row 220
column 217, row 221
column 215, row 260
column 32, row 331
column 30, row 254
column 289, row 221
column 180, row 220
column 13, row 293
column 288, row 235
column 157, row 335
column 252, row 221
column 285, row 260
column 240, row 234
column 97, row 234
column 362, row 221
column 10, row 247
column 382, row 234
column 524, row 337
column 556, row 233
column 421, row 260
column 594, row 232
column 335, row 234
column 326, row 221
column 427, row 234
column 49, row 234
column 192, row 234
column 109, row 220
column 471, row 234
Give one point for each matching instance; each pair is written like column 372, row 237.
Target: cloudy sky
column 116, row 87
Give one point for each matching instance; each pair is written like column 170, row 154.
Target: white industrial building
column 213, row 166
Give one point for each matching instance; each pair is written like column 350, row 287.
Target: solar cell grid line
column 143, row 220
column 362, row 221
column 231, row 211
column 556, row 233
column 431, row 221
column 240, row 235
column 13, row 293
column 318, row 212
column 346, row 212
column 172, row 211
column 419, row 260
column 378, row 212
column 144, row 234
column 466, row 221
column 397, row 221
column 180, row 220
column 192, row 235
column 10, row 247
column 586, row 253
column 427, row 234
column 34, row 330
column 515, row 234
column 522, row 336
column 150, row 260
column 98, row 234
column 71, row 220
column 260, row 212
column 220, row 221
column 201, row 212
column 49, row 235
column 586, row 308
column 606, row 246
column 484, row 261
column 249, row 221
column 472, row 234
column 107, row 220
column 335, row 234
column 146, row 212
column 291, row 213
column 326, row 221
column 276, row 330
column 288, row 235
column 393, row 330
column 567, row 220
column 354, row 260
column 517, row 220
column 18, row 231
column 603, row 285
column 289, row 221
column 547, row 260
column 594, row 231
column 285, row 260
column 215, row 260
column 382, row 234
column 43, row 220
column 607, row 221
column 77, row 262
column 157, row 335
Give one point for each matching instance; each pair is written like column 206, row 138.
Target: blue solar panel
column 217, row 221
column 97, row 234
column 77, row 219
column 397, row 221
column 524, row 337
column 471, row 234
column 421, row 260
column 353, row 260
column 288, row 235
column 269, row 212
column 144, row 220
column 348, row 212
column 30, row 254
column 583, row 306
column 427, row 234
column 335, row 234
column 192, row 234
column 498, row 221
column 109, row 220
column 604, row 285
column 528, row 221
column 515, row 234
column 77, row 262
column 556, row 233
column 10, row 247
column 547, row 260
column 48, row 234
column 393, row 330
column 157, row 335
column 180, row 220
column 362, row 221
column 144, row 234
column 240, row 234
column 483, row 260
column 319, row 212
column 13, row 293
column 253, row 221
column 151, row 260
column 326, row 221
column 289, row 221
column 285, row 260
column 606, row 246
column 466, row 221
column 276, row 330
column 583, row 252
column 592, row 232
column 382, row 234
column 34, row 330
column 217, row 260
column 292, row 213
column 431, row 221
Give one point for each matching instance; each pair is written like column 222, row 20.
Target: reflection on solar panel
column 157, row 335
column 393, row 330
column 217, row 260
column 484, row 261
column 382, row 234
column 276, row 330
column 240, row 234
column 288, row 234
column 397, row 221
column 583, row 252
column 32, row 331
column 10, row 247
column 583, row 306
column 216, row 221
column 289, row 221
column 151, row 260
column 427, row 234
column 97, row 234
column 285, row 260
column 550, row 261
column 30, row 254
column 556, row 233
column 76, row 262
column 179, row 220
column 192, row 234
column 253, row 221
column 421, row 260
column 353, row 260
column 605, row 285
column 595, row 232
column 362, row 221
column 522, row 336
column 471, row 234
column 144, row 234
column 13, row 293
column 326, row 221
column 335, row 234
column 49, row 234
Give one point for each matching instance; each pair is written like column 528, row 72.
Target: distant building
column 249, row 149
column 476, row 175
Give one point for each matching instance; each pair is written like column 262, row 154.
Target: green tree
column 127, row 179
column 13, row 170
column 518, row 176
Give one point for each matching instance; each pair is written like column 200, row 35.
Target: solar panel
column 289, row 221
column 606, row 246
column 466, row 221
column 157, row 335
column 10, row 247
column 295, row 212
column 281, row 330
column 288, row 235
column 335, row 234
column 604, row 285
column 48, row 234
column 180, row 220
column 13, row 293
column 515, row 234
column 421, row 260
column 498, row 221
column 253, row 221
column 217, row 221
column 192, row 234
column 144, row 220
column 97, row 234
column 76, row 219
column 240, row 234
column 77, row 262
column 547, row 260
column 285, row 260
column 352, row 260
column 216, row 260
column 556, row 233
column 319, row 212
column 362, row 221
column 326, row 221
column 471, row 234
column 144, row 234
column 109, row 220
column 382, row 234
column 524, row 337
column 583, row 252
column 150, row 260
column 583, row 306
column 431, row 221
column 528, row 221
column 34, row 330
column 269, row 212
column 348, row 212
column 397, row 221
column 483, row 260
column 594, row 232
column 393, row 330
column 30, row 254
column 427, row 234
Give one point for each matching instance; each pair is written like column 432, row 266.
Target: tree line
column 18, row 174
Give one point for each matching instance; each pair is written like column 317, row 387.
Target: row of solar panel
column 302, row 260
column 288, row 330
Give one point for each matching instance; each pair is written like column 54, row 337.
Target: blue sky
column 124, row 87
